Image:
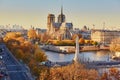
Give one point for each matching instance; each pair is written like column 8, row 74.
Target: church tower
column 61, row 17
column 50, row 20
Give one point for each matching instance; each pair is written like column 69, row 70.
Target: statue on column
column 76, row 57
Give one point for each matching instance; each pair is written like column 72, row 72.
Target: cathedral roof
column 57, row 25
column 67, row 25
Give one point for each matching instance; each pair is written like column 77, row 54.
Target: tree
column 39, row 38
column 94, row 43
column 81, row 41
column 1, row 40
column 26, row 46
column 70, row 72
column 32, row 34
column 25, row 51
column 19, row 54
column 10, row 35
column 45, row 37
column 112, row 74
column 87, row 41
column 20, row 39
column 75, row 35
column 115, row 45
column 39, row 55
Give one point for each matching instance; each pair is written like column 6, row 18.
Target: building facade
column 50, row 20
column 104, row 36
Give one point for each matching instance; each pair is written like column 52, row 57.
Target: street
column 11, row 67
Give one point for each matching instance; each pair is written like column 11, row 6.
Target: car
column 5, row 74
column 1, row 50
column 1, row 75
column 1, row 57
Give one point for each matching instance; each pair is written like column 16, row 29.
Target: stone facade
column 61, row 28
column 104, row 36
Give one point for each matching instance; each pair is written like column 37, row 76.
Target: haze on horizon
column 79, row 12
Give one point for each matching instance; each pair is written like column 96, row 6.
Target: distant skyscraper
column 61, row 17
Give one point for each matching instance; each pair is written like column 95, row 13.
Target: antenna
column 93, row 26
column 61, row 9
column 61, row 1
column 103, row 25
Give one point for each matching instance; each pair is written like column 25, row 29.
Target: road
column 14, row 69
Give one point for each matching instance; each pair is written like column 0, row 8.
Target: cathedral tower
column 61, row 17
column 50, row 20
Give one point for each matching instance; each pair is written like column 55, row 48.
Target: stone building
column 61, row 28
column 104, row 36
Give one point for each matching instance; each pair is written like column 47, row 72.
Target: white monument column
column 76, row 57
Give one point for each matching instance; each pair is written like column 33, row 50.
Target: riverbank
column 71, row 49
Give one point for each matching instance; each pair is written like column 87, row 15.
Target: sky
column 79, row 12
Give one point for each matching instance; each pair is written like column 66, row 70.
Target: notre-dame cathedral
column 60, row 29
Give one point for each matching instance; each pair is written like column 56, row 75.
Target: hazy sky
column 79, row 12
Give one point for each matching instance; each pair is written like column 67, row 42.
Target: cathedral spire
column 61, row 17
column 61, row 10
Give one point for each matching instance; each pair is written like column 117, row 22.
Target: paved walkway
column 94, row 64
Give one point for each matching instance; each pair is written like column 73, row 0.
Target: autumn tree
column 115, row 45
column 75, row 35
column 94, row 43
column 39, row 55
column 32, row 34
column 70, row 72
column 20, row 39
column 19, row 54
column 26, row 46
column 87, row 41
column 39, row 38
column 1, row 40
column 25, row 51
column 45, row 37
column 81, row 41
column 112, row 74
column 10, row 35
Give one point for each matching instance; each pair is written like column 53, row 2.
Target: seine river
column 85, row 56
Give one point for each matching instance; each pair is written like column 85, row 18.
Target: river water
column 85, row 56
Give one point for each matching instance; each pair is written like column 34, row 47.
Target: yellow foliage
column 12, row 35
column 39, row 55
column 62, row 42
column 70, row 72
column 115, row 45
column 81, row 41
column 20, row 39
column 75, row 35
column 32, row 34
column 87, row 41
column 113, row 73
column 25, row 51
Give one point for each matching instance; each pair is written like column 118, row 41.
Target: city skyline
column 79, row 12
